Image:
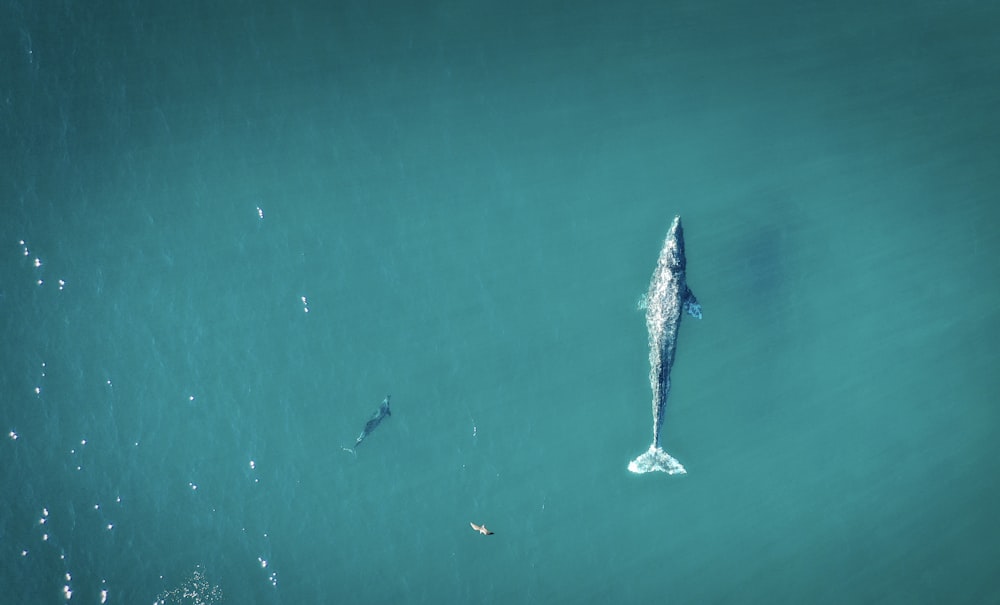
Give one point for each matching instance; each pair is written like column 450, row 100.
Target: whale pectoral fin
column 691, row 305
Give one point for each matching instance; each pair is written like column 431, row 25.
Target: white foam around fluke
column 655, row 459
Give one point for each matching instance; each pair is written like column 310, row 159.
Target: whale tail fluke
column 655, row 459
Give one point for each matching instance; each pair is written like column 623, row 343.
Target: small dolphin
column 373, row 422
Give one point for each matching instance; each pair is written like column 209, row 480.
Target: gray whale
column 666, row 301
column 373, row 422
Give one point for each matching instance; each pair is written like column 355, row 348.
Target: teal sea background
column 229, row 229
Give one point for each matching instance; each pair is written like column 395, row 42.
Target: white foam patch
column 655, row 459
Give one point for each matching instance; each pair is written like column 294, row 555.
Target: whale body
column 666, row 301
column 374, row 421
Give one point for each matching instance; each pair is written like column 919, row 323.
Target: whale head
column 674, row 246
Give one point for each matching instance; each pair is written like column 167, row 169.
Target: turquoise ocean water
column 228, row 230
